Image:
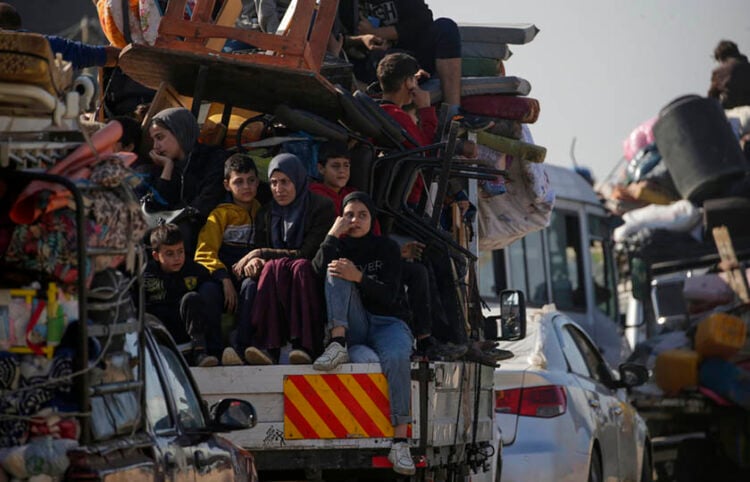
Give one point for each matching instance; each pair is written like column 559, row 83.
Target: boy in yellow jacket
column 228, row 234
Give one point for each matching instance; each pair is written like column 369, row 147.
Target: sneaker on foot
column 299, row 357
column 256, row 356
column 205, row 360
column 229, row 357
column 400, row 457
column 333, row 356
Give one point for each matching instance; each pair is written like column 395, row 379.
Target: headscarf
column 365, row 199
column 182, row 124
column 288, row 222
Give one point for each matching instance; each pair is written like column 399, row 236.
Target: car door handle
column 594, row 403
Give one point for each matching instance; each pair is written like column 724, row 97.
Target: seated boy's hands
column 412, row 250
column 230, row 295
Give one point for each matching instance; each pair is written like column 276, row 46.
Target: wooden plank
column 250, row 85
column 299, row 28
column 729, row 263
column 263, row 41
column 321, row 31
column 227, row 17
column 202, row 11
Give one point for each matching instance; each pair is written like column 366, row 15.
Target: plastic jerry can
column 676, row 370
column 720, row 335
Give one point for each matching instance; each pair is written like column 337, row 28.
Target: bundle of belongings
column 497, row 108
column 687, row 176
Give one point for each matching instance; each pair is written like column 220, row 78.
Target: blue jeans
column 388, row 336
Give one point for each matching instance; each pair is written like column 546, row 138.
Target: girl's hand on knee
column 344, row 269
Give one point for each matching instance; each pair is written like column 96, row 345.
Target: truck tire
column 595, row 467
column 694, row 461
column 647, row 469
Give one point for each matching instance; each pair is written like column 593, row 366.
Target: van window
column 525, row 270
column 566, row 261
column 602, row 266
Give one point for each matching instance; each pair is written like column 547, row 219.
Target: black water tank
column 699, row 147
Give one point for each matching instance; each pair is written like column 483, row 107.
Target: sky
column 601, row 67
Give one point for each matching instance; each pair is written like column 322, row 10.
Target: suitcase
column 522, row 109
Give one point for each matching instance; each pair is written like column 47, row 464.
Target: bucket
column 698, row 147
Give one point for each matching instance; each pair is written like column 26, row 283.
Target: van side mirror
column 510, row 325
column 232, row 414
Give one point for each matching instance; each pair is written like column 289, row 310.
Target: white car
column 562, row 414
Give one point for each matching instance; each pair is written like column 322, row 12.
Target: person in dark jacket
column 730, row 81
column 181, row 293
column 407, row 25
column 280, row 289
column 363, row 292
column 189, row 174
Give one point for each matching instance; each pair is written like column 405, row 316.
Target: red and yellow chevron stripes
column 336, row 406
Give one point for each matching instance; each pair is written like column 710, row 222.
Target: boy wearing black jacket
column 182, row 295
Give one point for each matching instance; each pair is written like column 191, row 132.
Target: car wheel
column 595, row 467
column 647, row 470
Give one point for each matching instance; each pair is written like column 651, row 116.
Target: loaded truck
column 686, row 315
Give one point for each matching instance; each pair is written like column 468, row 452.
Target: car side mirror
column 632, row 375
column 510, row 325
column 232, row 414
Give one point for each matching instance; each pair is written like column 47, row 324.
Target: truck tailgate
column 300, row 408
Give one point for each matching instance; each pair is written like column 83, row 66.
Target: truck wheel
column 595, row 467
column 647, row 470
column 695, row 461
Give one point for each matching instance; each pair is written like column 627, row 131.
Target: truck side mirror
column 232, row 414
column 632, row 375
column 510, row 325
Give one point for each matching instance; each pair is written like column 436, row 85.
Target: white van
column 570, row 263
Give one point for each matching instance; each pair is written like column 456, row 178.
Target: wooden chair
column 285, row 69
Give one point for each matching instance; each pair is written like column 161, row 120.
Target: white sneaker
column 400, row 457
column 299, row 357
column 256, row 356
column 333, row 356
column 229, row 357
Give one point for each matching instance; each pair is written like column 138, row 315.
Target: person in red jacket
column 334, row 166
column 398, row 75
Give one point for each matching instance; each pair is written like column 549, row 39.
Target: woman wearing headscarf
column 191, row 174
column 363, row 300
column 284, row 305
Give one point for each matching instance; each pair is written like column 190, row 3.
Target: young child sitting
column 182, row 295
column 227, row 235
